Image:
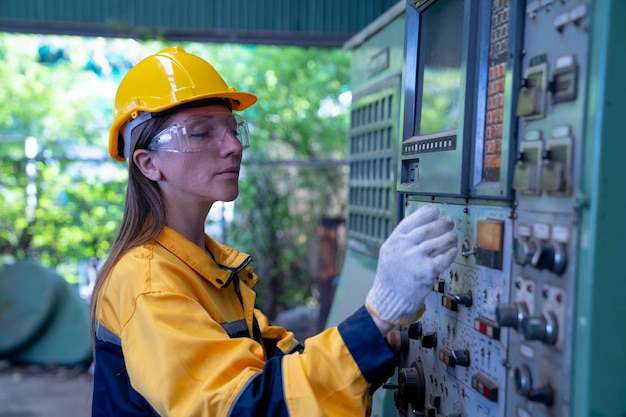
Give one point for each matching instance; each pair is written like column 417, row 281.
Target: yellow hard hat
column 164, row 80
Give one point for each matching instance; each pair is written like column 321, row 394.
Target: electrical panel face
column 494, row 132
column 511, row 124
column 550, row 107
column 453, row 357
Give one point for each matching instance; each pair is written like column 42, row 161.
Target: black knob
column 464, row 299
column 415, row 331
column 461, row 357
column 543, row 257
column 429, row 340
column 411, row 387
column 543, row 395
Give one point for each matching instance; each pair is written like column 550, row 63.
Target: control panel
column 511, row 123
column 454, row 358
column 498, row 102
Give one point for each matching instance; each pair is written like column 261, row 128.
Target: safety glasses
column 201, row 132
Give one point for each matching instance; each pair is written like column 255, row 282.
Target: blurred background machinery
column 43, row 320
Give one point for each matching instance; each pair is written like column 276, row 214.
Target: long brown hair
column 144, row 212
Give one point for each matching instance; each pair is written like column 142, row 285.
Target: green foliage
column 281, row 204
column 66, row 109
column 294, row 173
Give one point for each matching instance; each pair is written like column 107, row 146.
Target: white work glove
column 420, row 248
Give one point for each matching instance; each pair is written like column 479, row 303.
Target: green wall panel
column 326, row 23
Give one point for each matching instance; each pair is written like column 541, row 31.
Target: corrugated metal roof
column 282, row 22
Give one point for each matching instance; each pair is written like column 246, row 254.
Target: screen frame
column 464, row 162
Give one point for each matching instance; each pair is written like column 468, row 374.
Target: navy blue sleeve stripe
column 368, row 347
column 264, row 394
column 112, row 393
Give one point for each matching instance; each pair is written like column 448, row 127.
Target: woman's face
column 199, row 164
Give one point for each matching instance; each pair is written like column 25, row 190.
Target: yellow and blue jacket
column 177, row 334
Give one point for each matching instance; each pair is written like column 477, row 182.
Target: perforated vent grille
column 372, row 183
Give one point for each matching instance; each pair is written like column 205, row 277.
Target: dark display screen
column 440, row 61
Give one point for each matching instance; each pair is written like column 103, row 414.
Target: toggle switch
column 466, row 249
column 452, row 301
column 452, row 358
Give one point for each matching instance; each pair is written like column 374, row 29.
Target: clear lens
column 201, row 132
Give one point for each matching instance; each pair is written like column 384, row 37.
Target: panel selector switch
column 523, row 250
column 550, row 256
column 543, row 328
column 512, row 315
column 524, row 387
column 543, row 258
column 550, row 250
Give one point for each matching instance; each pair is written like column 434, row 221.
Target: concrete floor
column 36, row 392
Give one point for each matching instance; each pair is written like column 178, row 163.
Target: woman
column 176, row 331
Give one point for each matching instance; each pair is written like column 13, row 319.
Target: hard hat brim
column 240, row 100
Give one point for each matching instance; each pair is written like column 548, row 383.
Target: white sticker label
column 560, row 234
column 541, row 231
column 527, row 351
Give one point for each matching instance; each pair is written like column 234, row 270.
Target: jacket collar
column 219, row 267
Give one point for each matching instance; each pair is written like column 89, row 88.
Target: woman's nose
column 230, row 142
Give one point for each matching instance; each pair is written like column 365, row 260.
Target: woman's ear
column 145, row 161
